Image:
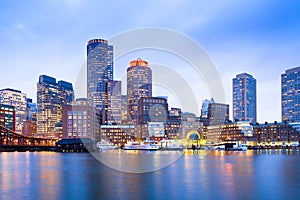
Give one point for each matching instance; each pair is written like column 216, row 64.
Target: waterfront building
column 17, row 99
column 290, row 90
column 51, row 96
column 139, row 84
column 112, row 113
column 244, row 98
column 117, row 134
column 7, row 116
column 190, row 123
column 99, row 70
column 277, row 134
column 241, row 131
column 80, row 120
column 173, row 126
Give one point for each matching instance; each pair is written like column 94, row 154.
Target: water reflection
column 268, row 174
column 137, row 161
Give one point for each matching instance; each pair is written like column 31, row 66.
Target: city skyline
column 262, row 44
column 167, row 97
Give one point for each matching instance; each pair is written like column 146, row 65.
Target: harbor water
column 267, row 174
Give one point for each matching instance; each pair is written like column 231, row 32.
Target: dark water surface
column 220, row 175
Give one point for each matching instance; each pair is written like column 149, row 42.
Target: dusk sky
column 49, row 37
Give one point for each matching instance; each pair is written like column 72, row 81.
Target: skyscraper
column 124, row 108
column 139, row 84
column 112, row 114
column 51, row 96
column 99, row 70
column 290, row 94
column 17, row 99
column 244, row 98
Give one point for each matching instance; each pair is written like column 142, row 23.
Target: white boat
column 104, row 145
column 147, row 144
column 170, row 145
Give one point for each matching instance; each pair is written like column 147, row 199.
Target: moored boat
column 147, row 144
column 170, row 145
column 105, row 145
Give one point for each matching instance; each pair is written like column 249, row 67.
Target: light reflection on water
column 264, row 174
column 137, row 161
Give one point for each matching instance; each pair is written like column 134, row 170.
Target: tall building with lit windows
column 290, row 95
column 99, row 70
column 51, row 96
column 124, row 108
column 139, row 84
column 112, row 113
column 244, row 98
column 17, row 99
column 7, row 116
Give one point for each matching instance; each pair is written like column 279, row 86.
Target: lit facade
column 99, row 70
column 18, row 100
column 139, row 84
column 124, row 108
column 189, row 122
column 173, row 127
column 7, row 116
column 175, row 112
column 238, row 131
column 80, row 120
column 290, row 90
column 277, row 134
column 51, row 97
column 244, row 98
column 112, row 113
column 117, row 134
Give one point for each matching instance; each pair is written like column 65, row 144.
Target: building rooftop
column 12, row 90
column 293, row 70
column 243, row 75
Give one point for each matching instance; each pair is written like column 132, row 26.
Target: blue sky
column 49, row 37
